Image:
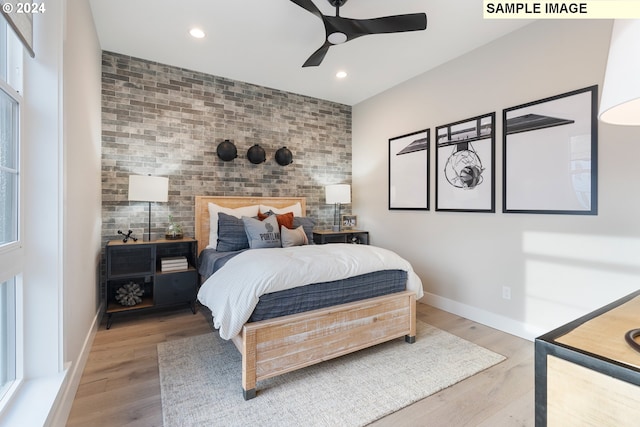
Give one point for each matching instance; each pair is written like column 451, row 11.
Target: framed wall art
column 409, row 171
column 550, row 161
column 465, row 170
column 349, row 221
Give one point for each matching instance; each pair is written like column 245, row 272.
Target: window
column 7, row 335
column 10, row 179
column 8, row 168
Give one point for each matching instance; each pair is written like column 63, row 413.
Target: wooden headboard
column 202, row 210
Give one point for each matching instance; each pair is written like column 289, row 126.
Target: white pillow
column 296, row 209
column 250, row 211
column 295, row 237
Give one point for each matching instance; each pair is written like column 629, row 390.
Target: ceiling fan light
column 196, row 33
column 337, row 38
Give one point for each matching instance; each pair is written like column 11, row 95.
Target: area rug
column 200, row 379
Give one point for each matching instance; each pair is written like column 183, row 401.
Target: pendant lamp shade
column 620, row 101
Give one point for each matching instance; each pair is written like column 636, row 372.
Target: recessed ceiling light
column 197, row 33
column 341, row 74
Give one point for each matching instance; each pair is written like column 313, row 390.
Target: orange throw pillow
column 283, row 219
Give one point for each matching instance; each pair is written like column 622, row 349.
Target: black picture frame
column 409, row 171
column 465, row 165
column 550, row 155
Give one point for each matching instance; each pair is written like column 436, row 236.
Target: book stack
column 174, row 263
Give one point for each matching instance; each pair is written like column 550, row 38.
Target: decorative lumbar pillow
column 307, row 224
column 231, row 234
column 213, row 218
column 285, row 219
column 295, row 237
column 295, row 209
column 262, row 234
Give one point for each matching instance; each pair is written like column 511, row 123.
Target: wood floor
column 120, row 385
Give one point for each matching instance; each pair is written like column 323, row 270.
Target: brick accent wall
column 168, row 121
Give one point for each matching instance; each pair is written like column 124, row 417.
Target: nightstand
column 321, row 237
column 164, row 270
column 586, row 373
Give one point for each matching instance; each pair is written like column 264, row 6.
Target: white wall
column 82, row 196
column 557, row 266
column 82, row 173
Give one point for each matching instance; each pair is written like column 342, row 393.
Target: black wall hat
column 227, row 150
column 256, row 154
column 284, row 156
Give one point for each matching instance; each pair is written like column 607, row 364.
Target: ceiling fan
column 340, row 30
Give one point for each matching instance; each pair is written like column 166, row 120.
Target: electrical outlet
column 506, row 292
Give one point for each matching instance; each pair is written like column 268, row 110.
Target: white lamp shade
column 144, row 188
column 338, row 193
column 620, row 102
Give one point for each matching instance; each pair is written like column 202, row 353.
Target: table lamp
column 337, row 194
column 620, row 101
column 147, row 188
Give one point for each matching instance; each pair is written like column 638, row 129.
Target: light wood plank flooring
column 120, row 385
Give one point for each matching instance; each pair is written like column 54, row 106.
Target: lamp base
column 336, row 216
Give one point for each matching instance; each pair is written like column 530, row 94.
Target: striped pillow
column 231, row 234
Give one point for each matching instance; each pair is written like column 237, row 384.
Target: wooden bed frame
column 284, row 344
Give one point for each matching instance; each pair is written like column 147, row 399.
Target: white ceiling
column 265, row 42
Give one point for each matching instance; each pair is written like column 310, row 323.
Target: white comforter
column 233, row 291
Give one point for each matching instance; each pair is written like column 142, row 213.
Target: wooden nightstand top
column 603, row 335
column 339, row 232
column 153, row 242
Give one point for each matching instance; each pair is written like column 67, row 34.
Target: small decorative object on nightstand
column 127, row 236
column 174, row 230
column 321, row 237
column 129, row 294
column 349, row 222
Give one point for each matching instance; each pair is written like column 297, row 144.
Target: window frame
column 17, row 98
column 12, row 253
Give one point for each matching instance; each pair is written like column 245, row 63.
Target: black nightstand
column 141, row 263
column 321, row 237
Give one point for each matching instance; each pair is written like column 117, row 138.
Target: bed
column 282, row 344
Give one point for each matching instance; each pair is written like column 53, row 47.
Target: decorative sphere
column 471, row 176
column 256, row 154
column 227, row 150
column 284, row 156
column 464, row 169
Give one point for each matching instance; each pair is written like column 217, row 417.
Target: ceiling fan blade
column 388, row 24
column 339, row 29
column 316, row 57
column 309, row 6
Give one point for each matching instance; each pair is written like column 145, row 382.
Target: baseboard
column 496, row 321
column 62, row 406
